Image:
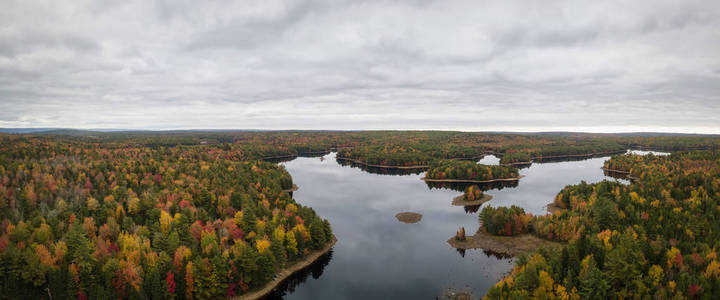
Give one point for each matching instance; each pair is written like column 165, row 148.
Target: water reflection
column 377, row 257
column 573, row 158
column 471, row 209
column 461, row 186
column 280, row 159
column 497, row 254
column 617, row 175
column 313, row 154
column 380, row 171
column 315, row 270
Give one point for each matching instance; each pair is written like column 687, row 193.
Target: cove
column 379, row 257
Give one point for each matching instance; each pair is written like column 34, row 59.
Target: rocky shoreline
column 460, row 200
column 509, row 245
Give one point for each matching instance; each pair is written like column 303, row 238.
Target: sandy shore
column 287, row 272
column 460, row 200
column 472, row 180
column 510, row 245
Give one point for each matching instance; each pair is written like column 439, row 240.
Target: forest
column 525, row 154
column 391, row 148
column 505, row 221
column 85, row 220
column 202, row 215
column 468, row 170
column 655, row 238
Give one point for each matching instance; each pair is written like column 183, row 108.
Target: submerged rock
column 454, row 295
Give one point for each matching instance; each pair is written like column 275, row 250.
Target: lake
column 378, row 257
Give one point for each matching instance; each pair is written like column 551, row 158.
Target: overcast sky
column 602, row 66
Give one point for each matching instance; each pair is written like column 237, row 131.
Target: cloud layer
column 468, row 65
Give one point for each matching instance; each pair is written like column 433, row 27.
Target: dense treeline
column 196, row 215
column 526, row 153
column 657, row 238
column 505, row 221
column 672, row 143
column 394, row 148
column 468, row 170
column 407, row 155
column 104, row 220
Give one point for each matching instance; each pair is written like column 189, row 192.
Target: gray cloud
column 469, row 65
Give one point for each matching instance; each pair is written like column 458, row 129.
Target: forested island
column 472, row 195
column 202, row 215
column 468, row 171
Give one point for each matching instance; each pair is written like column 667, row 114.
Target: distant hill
column 82, row 132
column 26, row 130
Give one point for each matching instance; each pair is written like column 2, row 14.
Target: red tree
column 170, row 281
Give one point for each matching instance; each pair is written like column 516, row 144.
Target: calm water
column 378, row 257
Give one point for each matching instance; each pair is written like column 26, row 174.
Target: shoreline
column 383, row 166
column 468, row 158
column 626, row 174
column 460, row 201
column 510, row 245
column 279, row 156
column 313, row 153
column 581, row 155
column 614, row 170
column 472, row 180
column 285, row 273
column 519, row 163
column 295, row 187
column 540, row 158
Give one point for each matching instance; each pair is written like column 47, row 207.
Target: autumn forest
column 211, row 215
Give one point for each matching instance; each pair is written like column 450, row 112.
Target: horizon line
column 29, row 130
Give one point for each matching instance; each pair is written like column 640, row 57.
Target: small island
column 472, row 196
column 469, row 172
column 511, row 245
column 503, row 230
column 408, row 217
column 386, row 156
